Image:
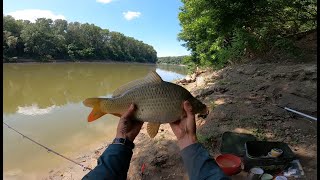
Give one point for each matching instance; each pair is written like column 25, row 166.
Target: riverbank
column 32, row 61
column 26, row 61
column 241, row 99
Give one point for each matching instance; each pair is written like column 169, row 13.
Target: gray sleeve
column 200, row 165
column 112, row 164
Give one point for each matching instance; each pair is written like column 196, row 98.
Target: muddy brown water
column 44, row 101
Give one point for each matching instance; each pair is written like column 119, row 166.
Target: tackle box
column 256, row 156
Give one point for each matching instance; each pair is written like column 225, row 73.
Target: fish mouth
column 205, row 114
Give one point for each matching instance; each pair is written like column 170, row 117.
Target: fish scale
column 153, row 104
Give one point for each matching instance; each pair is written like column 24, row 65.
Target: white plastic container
column 280, row 178
column 255, row 173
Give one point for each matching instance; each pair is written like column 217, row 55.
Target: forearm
column 112, row 164
column 200, row 165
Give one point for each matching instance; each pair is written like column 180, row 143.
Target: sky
column 155, row 22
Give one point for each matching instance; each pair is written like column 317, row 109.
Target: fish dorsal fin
column 152, row 77
column 152, row 129
column 122, row 89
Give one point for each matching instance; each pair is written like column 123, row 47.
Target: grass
column 203, row 139
column 213, row 105
column 259, row 134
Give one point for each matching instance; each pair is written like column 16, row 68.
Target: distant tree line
column 216, row 32
column 171, row 60
column 47, row 39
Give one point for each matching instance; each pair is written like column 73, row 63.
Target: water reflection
column 173, row 68
column 44, row 101
column 34, row 110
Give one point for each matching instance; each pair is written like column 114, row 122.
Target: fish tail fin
column 96, row 112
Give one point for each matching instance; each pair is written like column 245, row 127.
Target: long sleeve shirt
column 115, row 161
column 199, row 164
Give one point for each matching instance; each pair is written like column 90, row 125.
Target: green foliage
column 191, row 65
column 287, row 45
column 220, row 31
column 203, row 139
column 46, row 40
column 259, row 134
column 213, row 105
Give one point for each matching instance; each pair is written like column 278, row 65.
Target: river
column 44, row 102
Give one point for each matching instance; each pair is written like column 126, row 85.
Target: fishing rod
column 48, row 149
column 297, row 112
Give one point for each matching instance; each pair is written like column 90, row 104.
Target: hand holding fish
column 185, row 128
column 158, row 102
column 128, row 127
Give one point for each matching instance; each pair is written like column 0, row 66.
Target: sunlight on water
column 44, row 101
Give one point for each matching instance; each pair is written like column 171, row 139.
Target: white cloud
column 104, row 1
column 33, row 14
column 129, row 15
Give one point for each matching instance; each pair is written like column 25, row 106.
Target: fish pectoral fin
column 152, row 129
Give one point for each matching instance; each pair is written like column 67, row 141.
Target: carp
column 157, row 102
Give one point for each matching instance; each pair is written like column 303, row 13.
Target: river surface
column 44, row 102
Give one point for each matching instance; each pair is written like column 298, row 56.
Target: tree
column 46, row 39
column 215, row 31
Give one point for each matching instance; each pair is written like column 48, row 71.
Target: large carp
column 157, row 102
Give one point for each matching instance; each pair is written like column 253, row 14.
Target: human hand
column 185, row 128
column 128, row 127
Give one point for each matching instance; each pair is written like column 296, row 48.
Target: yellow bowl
column 275, row 152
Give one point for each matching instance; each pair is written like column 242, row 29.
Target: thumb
column 129, row 112
column 191, row 124
column 188, row 108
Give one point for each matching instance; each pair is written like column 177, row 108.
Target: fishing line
column 48, row 149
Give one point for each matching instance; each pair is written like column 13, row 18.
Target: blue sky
column 154, row 22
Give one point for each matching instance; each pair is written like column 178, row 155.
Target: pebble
column 200, row 81
column 193, row 76
column 188, row 78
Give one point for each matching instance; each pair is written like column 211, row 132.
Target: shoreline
column 59, row 61
column 75, row 62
